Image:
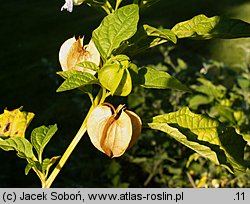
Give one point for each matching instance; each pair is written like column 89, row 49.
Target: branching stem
column 107, row 8
column 47, row 183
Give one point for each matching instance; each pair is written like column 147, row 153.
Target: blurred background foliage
column 218, row 71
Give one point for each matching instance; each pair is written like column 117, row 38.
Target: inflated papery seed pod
column 72, row 52
column 113, row 131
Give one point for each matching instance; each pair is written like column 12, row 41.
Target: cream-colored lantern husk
column 113, row 131
column 72, row 52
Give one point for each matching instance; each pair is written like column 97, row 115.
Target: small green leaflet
column 204, row 135
column 209, row 89
column 47, row 163
column 41, row 136
column 76, row 79
column 118, row 59
column 246, row 138
column 88, row 65
column 151, row 78
column 28, row 168
column 195, row 101
column 19, row 144
column 243, row 82
column 201, row 27
column 146, row 37
column 116, row 28
column 43, row 167
column 67, row 74
column 32, row 164
column 161, row 33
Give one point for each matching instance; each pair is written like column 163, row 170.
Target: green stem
column 118, row 2
column 40, row 176
column 107, row 8
column 40, row 158
column 104, row 95
column 74, row 142
column 66, row 155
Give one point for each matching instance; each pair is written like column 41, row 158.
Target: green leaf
column 88, row 65
column 76, row 79
column 14, row 123
column 192, row 157
column 28, row 168
column 146, row 37
column 226, row 113
column 41, row 136
column 67, row 74
column 201, row 27
column 32, row 164
column 246, row 138
column 204, row 135
column 118, row 58
column 47, row 163
column 197, row 100
column 209, row 89
column 116, row 28
column 243, row 82
column 161, row 33
column 19, row 144
column 151, row 78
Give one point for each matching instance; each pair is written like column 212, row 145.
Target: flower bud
column 113, row 131
column 72, row 52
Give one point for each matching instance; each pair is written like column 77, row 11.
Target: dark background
column 31, row 35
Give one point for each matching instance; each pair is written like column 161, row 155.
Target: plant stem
column 66, row 155
column 40, row 176
column 190, row 178
column 107, row 8
column 118, row 2
column 74, row 142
